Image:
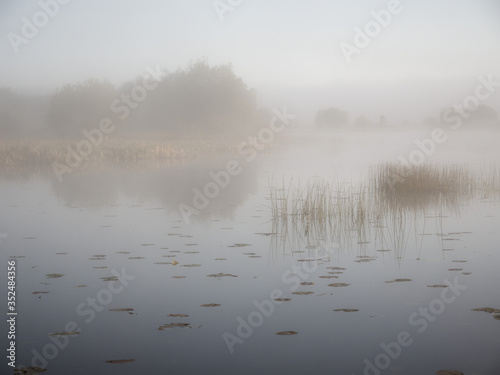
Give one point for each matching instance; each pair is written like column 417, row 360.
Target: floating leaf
column 109, row 278
column 65, row 333
column 306, row 283
column 222, row 275
column 240, row 244
column 438, row 286
column 489, row 310
column 336, row 285
column 174, row 325
column 174, row 262
column 304, row 293
column 455, row 269
column 178, row 315
column 28, row 370
column 178, row 277
column 449, row 372
column 336, row 268
column 210, row 305
column 286, row 333
column 328, row 277
column 190, row 265
column 398, row 281
column 39, row 293
column 282, row 299
column 122, row 309
column 115, row 361
column 346, row 310
column 54, row 275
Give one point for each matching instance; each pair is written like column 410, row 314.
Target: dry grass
column 38, row 155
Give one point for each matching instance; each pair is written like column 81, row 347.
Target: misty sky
column 278, row 46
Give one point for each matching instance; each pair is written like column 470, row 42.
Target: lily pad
column 178, row 315
column 303, row 293
column 28, row 370
column 307, row 283
column 109, row 278
column 282, row 299
column 121, row 309
column 116, row 361
column 346, row 310
column 39, row 293
column 489, row 310
column 337, row 285
column 174, row 325
column 65, row 333
column 222, row 275
column 286, row 333
column 438, row 286
column 54, row 275
column 455, row 269
column 210, row 305
column 398, row 281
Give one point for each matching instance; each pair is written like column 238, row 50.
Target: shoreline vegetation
column 38, row 155
column 383, row 207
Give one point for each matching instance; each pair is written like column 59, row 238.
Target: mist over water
column 250, row 187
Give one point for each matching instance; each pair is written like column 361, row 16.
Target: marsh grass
column 383, row 207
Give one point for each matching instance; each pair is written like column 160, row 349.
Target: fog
column 422, row 57
column 258, row 187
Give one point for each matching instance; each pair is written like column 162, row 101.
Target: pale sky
column 272, row 44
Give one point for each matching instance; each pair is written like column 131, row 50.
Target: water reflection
column 168, row 186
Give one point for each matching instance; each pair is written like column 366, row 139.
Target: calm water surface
column 97, row 224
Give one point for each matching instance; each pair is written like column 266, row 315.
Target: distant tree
column 331, row 117
column 363, row 122
column 203, row 98
column 483, row 115
column 78, row 106
column 382, row 121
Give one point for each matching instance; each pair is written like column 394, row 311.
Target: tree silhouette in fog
column 80, row 106
column 331, row 117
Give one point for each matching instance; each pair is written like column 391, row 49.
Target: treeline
column 482, row 117
column 201, row 98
